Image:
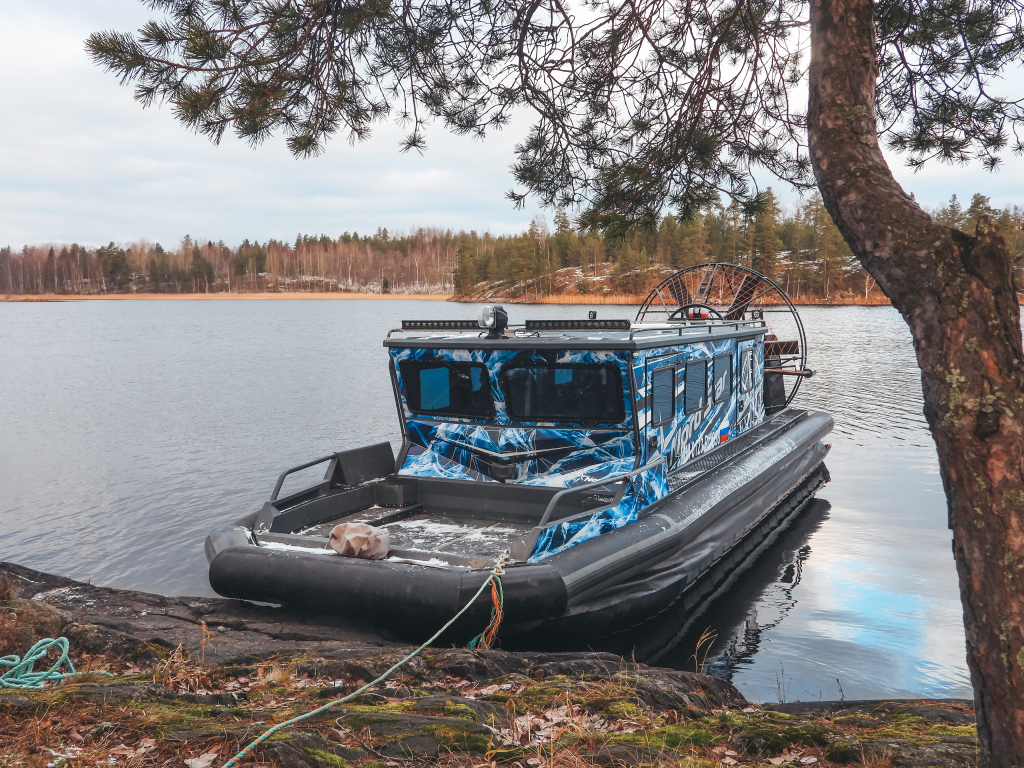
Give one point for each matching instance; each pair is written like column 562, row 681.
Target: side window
column 663, row 396
column 723, row 378
column 447, row 388
column 571, row 392
column 747, row 370
column 696, row 385
column 435, row 391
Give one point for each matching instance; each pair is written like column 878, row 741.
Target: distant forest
column 420, row 263
column 800, row 248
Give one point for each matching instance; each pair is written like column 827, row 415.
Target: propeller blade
column 679, row 292
column 780, row 348
column 740, row 302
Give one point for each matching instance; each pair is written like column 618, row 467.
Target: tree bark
column 957, row 295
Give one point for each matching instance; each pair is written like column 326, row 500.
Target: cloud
column 81, row 161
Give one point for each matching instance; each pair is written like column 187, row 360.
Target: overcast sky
column 81, row 161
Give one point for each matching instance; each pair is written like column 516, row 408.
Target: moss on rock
column 670, row 737
column 766, row 738
column 458, row 739
column 327, row 760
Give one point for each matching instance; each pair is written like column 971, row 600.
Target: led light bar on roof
column 440, row 325
column 577, row 325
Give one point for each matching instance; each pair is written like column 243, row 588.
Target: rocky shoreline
column 195, row 679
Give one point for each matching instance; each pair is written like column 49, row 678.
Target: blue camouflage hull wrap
column 685, row 437
column 563, row 455
column 725, row 415
column 644, row 489
column 558, row 455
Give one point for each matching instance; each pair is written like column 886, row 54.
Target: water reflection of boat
column 751, row 606
column 626, row 466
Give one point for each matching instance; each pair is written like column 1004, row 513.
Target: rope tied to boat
column 486, row 638
column 494, row 579
column 22, row 674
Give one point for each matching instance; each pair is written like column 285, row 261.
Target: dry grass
column 587, row 298
column 180, row 673
column 874, row 300
column 74, row 736
column 630, row 299
column 279, row 677
column 11, row 634
column 7, row 589
column 700, row 653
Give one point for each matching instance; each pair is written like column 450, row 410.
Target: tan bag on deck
column 360, row 540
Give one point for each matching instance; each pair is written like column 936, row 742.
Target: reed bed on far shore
column 637, row 299
column 224, row 295
column 574, row 298
column 584, row 298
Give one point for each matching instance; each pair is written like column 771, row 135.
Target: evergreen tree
column 670, row 242
column 952, row 215
column 522, row 262
column 593, row 253
column 694, row 249
column 159, row 269
column 201, row 270
column 715, row 227
column 465, row 271
column 251, row 259
column 50, row 272
column 562, row 223
column 114, row 264
column 564, row 243
column 631, row 273
column 980, row 206
column 764, row 237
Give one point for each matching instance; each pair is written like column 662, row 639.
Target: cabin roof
column 638, row 336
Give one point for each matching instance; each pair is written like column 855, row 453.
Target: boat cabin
column 572, row 403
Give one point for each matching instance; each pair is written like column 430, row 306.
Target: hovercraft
column 623, row 466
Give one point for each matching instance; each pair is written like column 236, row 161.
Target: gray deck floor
column 436, row 533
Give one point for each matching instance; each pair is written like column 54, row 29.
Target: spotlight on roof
column 494, row 318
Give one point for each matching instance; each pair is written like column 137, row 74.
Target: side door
column 749, row 396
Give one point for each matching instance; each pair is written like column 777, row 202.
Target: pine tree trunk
column 956, row 294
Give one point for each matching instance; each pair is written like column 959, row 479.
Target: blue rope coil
column 22, row 675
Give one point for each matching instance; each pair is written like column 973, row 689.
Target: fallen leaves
column 549, row 726
column 205, row 760
column 728, row 756
column 792, row 758
column 144, row 746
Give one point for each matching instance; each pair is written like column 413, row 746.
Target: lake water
column 130, row 429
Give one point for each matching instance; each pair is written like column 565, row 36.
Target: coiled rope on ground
column 22, row 675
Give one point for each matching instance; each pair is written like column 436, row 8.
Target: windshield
column 447, row 388
column 564, row 393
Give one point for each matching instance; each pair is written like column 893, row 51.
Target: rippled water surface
column 129, row 429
